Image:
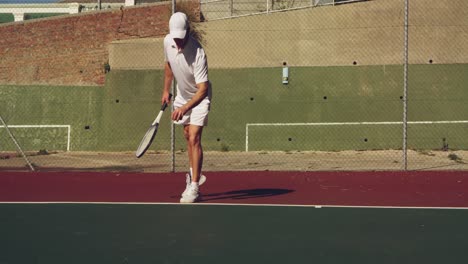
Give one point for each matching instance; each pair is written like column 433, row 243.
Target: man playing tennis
column 186, row 62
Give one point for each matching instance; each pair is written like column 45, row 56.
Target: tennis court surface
column 245, row 217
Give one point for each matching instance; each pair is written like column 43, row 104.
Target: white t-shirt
column 189, row 66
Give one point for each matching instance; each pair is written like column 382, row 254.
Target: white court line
column 345, row 124
column 247, row 205
column 46, row 126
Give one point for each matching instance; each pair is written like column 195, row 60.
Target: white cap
column 178, row 25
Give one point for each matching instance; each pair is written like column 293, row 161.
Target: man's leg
column 188, row 179
column 189, row 147
column 194, row 149
column 193, row 136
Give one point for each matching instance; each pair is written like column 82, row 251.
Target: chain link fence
column 306, row 85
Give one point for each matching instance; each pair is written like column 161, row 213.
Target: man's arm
column 201, row 93
column 168, row 78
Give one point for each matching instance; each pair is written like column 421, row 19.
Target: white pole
column 17, row 145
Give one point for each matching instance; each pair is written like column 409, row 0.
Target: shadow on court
column 245, row 194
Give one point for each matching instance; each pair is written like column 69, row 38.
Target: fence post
column 172, row 110
column 405, row 92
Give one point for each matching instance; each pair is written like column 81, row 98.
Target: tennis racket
column 151, row 133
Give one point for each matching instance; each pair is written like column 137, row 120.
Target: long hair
column 191, row 9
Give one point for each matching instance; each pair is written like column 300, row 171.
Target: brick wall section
column 73, row 50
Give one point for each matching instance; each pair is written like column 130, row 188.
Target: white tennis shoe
column 188, row 181
column 192, row 195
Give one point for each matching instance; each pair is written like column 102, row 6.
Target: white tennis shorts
column 197, row 116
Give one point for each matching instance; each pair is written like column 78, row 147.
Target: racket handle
column 163, row 107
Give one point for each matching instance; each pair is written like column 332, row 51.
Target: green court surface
column 158, row 233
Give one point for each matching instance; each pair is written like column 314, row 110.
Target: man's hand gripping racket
column 151, row 133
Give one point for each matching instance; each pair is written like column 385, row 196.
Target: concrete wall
column 365, row 33
column 368, row 33
column 73, row 50
column 137, row 54
column 114, row 117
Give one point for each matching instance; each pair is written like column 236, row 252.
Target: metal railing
column 223, row 9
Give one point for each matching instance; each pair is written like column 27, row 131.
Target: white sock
column 194, row 185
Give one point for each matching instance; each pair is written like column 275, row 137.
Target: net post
column 16, row 144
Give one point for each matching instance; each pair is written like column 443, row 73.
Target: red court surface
column 399, row 189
